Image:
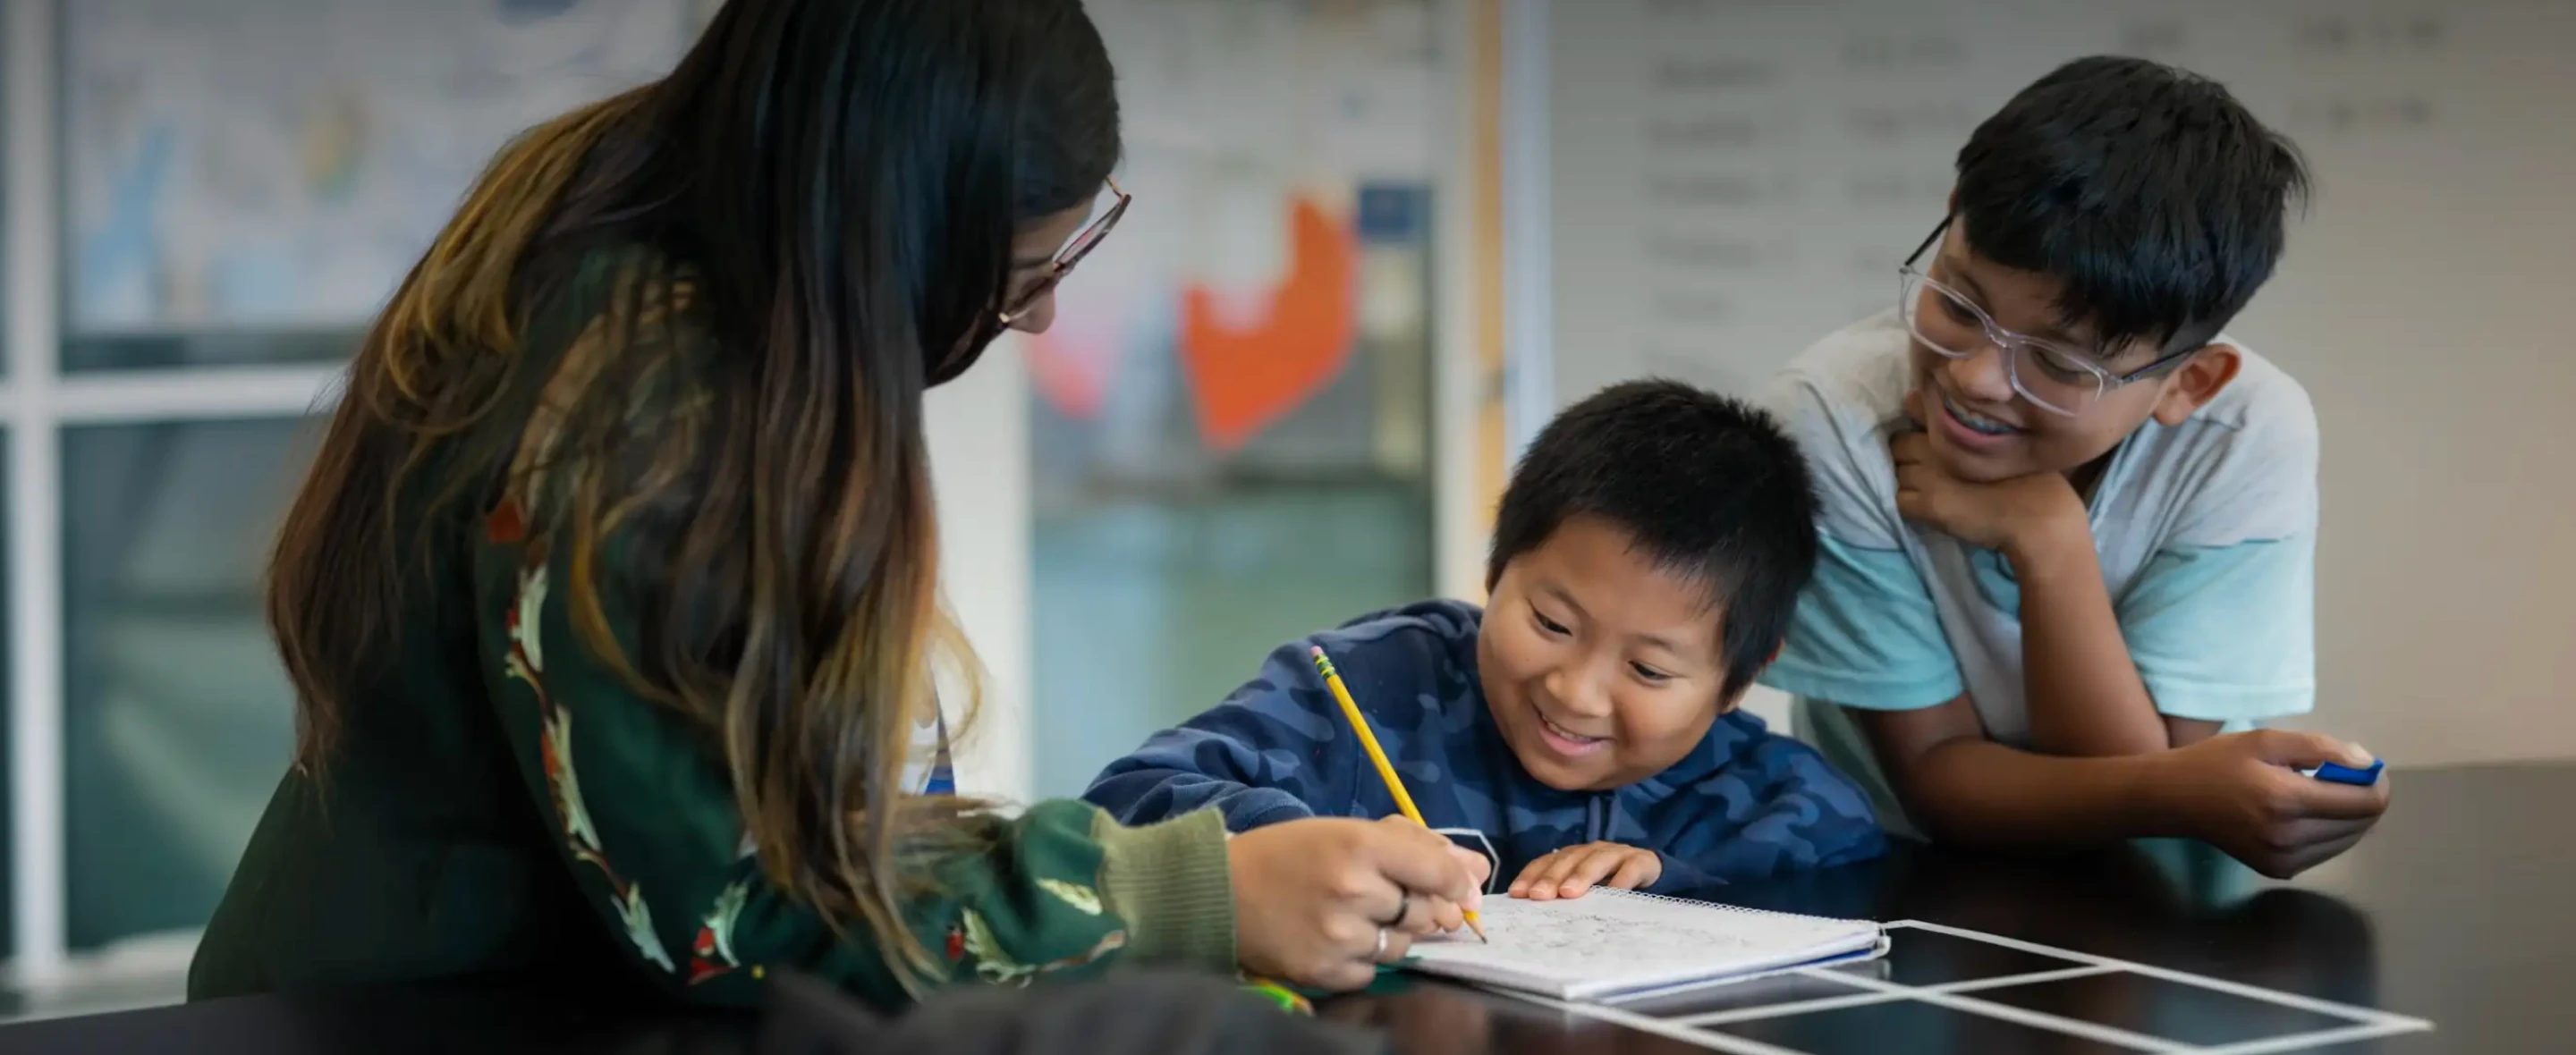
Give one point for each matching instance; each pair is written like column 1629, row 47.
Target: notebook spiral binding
column 1696, row 903
column 1885, row 942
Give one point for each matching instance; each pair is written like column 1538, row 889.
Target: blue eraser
column 2348, row 775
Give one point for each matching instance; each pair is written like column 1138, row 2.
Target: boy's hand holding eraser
column 2343, row 774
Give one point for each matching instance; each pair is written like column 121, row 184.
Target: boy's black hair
column 2147, row 190
column 1707, row 487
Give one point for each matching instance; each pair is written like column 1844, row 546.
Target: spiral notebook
column 1616, row 945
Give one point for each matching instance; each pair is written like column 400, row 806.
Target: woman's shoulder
column 617, row 346
column 588, row 287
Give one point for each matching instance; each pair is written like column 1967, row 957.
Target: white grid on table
column 2367, row 1023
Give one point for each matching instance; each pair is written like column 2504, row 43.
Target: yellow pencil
column 1385, row 769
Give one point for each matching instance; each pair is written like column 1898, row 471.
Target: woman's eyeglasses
column 1066, row 258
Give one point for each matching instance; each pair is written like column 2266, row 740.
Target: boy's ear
column 1728, row 705
column 2197, row 381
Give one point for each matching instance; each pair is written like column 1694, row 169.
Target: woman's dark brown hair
column 802, row 228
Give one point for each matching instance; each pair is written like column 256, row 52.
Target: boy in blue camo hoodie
column 1581, row 730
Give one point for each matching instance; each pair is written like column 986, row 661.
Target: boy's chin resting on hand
column 1572, row 871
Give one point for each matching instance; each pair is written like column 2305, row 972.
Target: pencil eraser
column 2348, row 775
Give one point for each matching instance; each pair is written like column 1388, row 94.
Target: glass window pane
column 248, row 181
column 1231, row 416
column 178, row 719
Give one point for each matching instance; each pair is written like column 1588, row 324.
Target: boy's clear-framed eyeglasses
column 2053, row 376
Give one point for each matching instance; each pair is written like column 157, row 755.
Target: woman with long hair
column 610, row 600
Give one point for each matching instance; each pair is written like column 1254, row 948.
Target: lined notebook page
column 1612, row 942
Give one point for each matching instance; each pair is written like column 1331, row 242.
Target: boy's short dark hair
column 2147, row 190
column 1708, row 487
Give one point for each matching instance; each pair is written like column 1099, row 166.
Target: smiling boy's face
column 1980, row 427
column 1600, row 668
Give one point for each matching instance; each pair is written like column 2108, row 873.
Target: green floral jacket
column 502, row 805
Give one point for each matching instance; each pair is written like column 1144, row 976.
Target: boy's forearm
column 1975, row 791
column 1148, row 796
column 2083, row 690
column 1215, row 759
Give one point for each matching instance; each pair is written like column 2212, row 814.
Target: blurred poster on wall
column 1231, row 413
column 282, row 163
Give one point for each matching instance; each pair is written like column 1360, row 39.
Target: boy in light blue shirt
column 2068, row 523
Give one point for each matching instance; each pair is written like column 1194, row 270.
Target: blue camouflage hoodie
column 1742, row 805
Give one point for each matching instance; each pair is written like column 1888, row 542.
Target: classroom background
column 1374, row 244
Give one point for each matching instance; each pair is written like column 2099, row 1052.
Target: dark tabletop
column 2460, row 909
column 2456, row 910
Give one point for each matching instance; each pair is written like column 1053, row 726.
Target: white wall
column 1730, row 181
column 979, row 467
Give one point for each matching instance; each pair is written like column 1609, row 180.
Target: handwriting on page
column 1583, row 937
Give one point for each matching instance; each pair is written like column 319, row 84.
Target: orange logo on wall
column 1244, row 370
column 1244, row 378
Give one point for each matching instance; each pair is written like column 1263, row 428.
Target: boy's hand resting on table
column 1572, row 871
column 1312, row 896
column 2242, row 793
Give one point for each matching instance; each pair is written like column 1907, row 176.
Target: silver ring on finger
column 1380, row 954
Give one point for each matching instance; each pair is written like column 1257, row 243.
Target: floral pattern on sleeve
column 527, row 664
column 970, row 942
column 974, row 938
column 712, row 955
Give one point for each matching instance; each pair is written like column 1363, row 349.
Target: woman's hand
column 1321, row 902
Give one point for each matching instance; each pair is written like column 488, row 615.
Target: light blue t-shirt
column 2206, row 533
